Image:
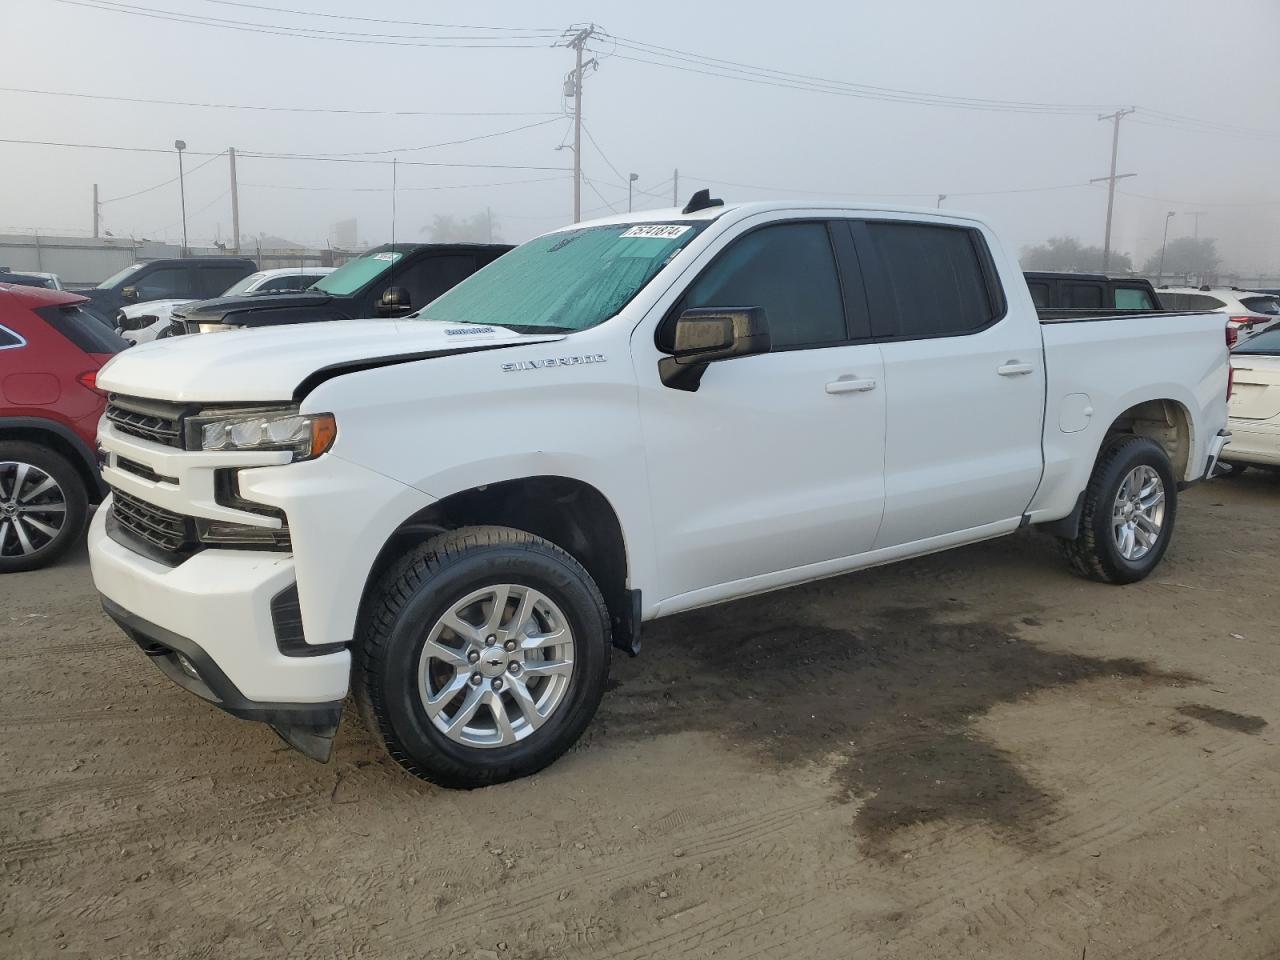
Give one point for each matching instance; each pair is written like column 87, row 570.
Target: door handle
column 1014, row 368
column 850, row 385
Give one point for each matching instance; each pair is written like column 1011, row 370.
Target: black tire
column 413, row 595
column 1094, row 553
column 1230, row 471
column 74, row 496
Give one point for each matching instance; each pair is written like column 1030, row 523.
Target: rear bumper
column 1216, row 446
column 1255, row 442
column 308, row 727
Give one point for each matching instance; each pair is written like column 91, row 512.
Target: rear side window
column 1198, row 301
column 790, row 270
column 1268, row 305
column 82, row 328
column 935, row 276
column 215, row 279
column 1084, row 296
column 1039, row 294
column 1133, row 298
column 9, row 339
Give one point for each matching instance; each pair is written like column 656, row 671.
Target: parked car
column 168, row 279
column 141, row 322
column 1247, row 311
column 1255, row 404
column 50, row 353
column 388, row 281
column 459, row 513
column 1090, row 291
column 47, row 281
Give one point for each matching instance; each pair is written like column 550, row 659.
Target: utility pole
column 95, row 211
column 631, row 178
column 181, row 145
column 573, row 85
column 1111, row 180
column 675, row 187
column 1197, row 214
column 488, row 222
column 1164, row 244
column 235, row 202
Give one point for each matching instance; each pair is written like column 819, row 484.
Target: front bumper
column 1254, row 442
column 220, row 601
column 308, row 727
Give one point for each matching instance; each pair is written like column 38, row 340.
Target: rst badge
column 553, row 362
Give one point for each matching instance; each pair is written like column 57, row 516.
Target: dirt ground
column 971, row 755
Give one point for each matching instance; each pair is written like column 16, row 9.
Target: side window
column 1086, row 296
column 1039, row 294
column 430, row 277
column 1173, row 301
column 934, row 276
column 278, row 284
column 163, row 283
column 214, row 280
column 9, row 339
column 1199, row 301
column 790, row 270
column 1133, row 298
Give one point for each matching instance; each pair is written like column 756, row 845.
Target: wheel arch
column 60, row 438
column 571, row 513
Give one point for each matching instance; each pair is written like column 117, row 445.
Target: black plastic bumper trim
column 308, row 727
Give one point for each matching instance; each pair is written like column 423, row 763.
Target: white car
column 1247, row 311
column 142, row 322
column 458, row 513
column 1255, row 403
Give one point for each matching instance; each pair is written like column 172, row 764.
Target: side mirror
column 395, row 302
column 703, row 335
column 129, row 294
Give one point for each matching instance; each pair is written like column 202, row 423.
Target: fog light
column 188, row 667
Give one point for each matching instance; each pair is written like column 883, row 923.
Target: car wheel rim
column 33, row 509
column 496, row 666
column 1137, row 517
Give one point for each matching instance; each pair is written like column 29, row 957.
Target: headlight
column 306, row 435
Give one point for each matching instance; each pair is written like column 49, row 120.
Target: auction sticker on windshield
column 387, row 255
column 660, row 231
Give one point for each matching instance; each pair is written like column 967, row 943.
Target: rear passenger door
column 964, row 379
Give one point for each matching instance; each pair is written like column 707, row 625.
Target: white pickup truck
column 457, row 514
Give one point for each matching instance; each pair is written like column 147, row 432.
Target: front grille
column 162, row 529
column 147, row 419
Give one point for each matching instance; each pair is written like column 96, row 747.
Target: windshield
column 354, row 274
column 115, row 278
column 1268, row 305
column 565, row 281
column 240, row 286
column 1267, row 342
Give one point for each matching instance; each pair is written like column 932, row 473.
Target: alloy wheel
column 1137, row 516
column 33, row 509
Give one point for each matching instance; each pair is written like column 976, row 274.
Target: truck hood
column 234, row 309
column 272, row 364
column 150, row 307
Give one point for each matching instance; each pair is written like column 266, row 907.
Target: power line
column 138, row 193
column 549, row 31
column 280, row 109
column 262, row 155
column 444, row 143
column 450, row 186
column 310, row 33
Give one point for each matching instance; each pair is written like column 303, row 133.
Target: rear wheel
column 482, row 656
column 43, row 506
column 1129, row 510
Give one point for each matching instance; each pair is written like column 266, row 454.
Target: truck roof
column 669, row 214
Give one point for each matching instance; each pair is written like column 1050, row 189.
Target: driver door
column 776, row 461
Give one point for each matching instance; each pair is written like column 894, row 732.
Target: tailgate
column 1257, row 387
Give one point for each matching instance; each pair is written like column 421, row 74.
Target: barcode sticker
column 658, row 231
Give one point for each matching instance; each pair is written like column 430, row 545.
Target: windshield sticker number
column 658, row 231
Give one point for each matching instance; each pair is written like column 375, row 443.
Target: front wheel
column 482, row 656
column 1129, row 510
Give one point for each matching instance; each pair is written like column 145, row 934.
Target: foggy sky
column 1216, row 62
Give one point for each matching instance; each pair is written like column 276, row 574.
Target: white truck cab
column 455, row 515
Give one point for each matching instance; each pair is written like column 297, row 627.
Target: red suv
column 50, row 352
